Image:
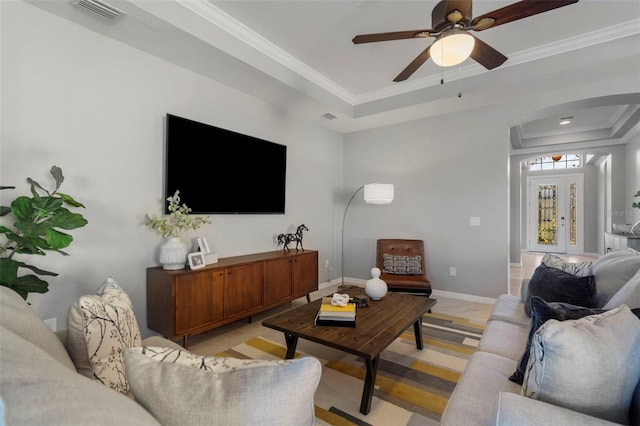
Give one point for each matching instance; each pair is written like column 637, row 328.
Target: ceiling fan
column 452, row 23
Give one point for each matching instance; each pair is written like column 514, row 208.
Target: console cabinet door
column 305, row 273
column 198, row 300
column 277, row 280
column 243, row 288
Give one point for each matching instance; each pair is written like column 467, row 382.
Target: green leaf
column 56, row 172
column 5, row 230
column 37, row 270
column 22, row 208
column 34, row 185
column 30, row 229
column 68, row 199
column 8, row 270
column 57, row 239
column 4, row 210
column 29, row 245
column 28, row 284
column 47, row 204
column 66, row 220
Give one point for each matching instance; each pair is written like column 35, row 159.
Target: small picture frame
column 196, row 260
column 203, row 245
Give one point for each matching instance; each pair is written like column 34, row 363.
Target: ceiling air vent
column 100, row 8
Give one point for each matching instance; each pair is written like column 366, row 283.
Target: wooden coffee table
column 377, row 326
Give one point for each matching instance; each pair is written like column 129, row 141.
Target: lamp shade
column 452, row 49
column 378, row 193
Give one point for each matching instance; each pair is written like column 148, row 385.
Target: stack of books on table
column 341, row 316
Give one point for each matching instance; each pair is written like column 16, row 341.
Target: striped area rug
column 412, row 386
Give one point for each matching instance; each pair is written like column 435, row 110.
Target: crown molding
column 217, row 17
column 245, row 34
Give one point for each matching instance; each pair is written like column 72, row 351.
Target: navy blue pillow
column 554, row 285
column 541, row 312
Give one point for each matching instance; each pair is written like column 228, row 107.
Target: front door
column 555, row 214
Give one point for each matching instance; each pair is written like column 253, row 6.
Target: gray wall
column 96, row 108
column 442, row 178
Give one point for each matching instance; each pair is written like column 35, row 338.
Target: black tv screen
column 218, row 171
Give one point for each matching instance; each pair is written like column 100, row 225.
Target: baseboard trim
column 462, row 296
column 435, row 293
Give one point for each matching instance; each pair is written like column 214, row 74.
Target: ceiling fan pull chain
column 459, row 78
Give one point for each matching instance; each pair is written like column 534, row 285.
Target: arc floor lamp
column 374, row 193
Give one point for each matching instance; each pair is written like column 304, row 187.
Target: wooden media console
column 184, row 302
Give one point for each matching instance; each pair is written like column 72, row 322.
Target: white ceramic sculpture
column 375, row 287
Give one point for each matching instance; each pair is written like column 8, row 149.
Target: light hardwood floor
column 230, row 335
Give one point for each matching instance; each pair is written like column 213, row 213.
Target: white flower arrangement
column 178, row 220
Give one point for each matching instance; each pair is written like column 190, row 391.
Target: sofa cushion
column 628, row 295
column 16, row 315
column 210, row 391
column 38, row 390
column 589, row 365
column 554, row 285
column 510, row 309
column 541, row 312
column 612, row 271
column 474, row 400
column 402, row 265
column 581, row 269
column 522, row 411
column 99, row 328
column 503, row 338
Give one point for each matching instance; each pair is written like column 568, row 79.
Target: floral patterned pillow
column 214, row 364
column 100, row 327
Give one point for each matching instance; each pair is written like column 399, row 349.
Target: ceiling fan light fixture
column 452, row 49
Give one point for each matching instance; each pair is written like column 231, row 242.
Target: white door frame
column 563, row 182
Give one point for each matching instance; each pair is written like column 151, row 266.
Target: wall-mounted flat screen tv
column 219, row 171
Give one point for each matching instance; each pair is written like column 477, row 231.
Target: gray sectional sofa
column 41, row 384
column 485, row 395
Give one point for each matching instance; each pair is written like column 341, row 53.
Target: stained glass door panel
column 547, row 219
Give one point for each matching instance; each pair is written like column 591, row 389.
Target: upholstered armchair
column 402, row 263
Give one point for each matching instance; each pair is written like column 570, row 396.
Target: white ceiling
column 300, row 51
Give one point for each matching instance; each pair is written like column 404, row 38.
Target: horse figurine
column 286, row 239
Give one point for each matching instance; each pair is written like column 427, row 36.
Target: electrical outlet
column 452, row 271
column 52, row 323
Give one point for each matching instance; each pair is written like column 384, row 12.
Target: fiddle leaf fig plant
column 40, row 222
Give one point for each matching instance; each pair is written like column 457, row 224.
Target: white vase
column 375, row 287
column 173, row 254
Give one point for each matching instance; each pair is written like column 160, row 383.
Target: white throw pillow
column 99, row 328
column 628, row 295
column 181, row 388
column 590, row 365
column 612, row 271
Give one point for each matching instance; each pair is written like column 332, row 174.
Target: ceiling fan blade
column 486, row 55
column 414, row 65
column 395, row 35
column 515, row 11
